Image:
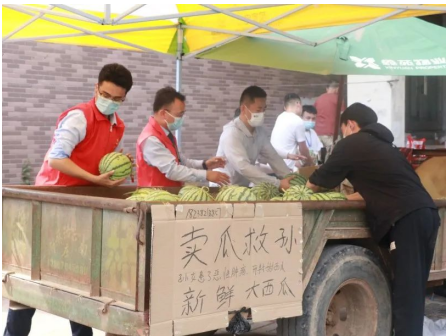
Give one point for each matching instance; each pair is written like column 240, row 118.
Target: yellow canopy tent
column 186, row 30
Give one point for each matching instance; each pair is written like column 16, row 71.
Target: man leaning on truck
column 399, row 210
column 84, row 134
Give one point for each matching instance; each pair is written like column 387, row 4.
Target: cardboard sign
column 211, row 259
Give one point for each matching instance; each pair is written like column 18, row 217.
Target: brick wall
column 40, row 80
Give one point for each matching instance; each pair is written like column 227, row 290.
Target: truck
column 89, row 255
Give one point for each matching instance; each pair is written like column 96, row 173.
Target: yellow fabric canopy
column 67, row 27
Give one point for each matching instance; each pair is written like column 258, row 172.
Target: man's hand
column 355, row 197
column 132, row 160
column 215, row 162
column 312, row 186
column 296, row 157
column 104, row 180
column 218, row 177
column 285, row 183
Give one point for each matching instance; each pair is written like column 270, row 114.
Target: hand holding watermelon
column 286, row 183
column 106, row 181
column 130, row 156
column 114, row 169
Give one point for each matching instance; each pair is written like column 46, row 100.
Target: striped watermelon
column 186, row 189
column 297, row 179
column 336, row 196
column 117, row 162
column 297, row 193
column 196, row 195
column 265, row 191
column 235, row 194
column 319, row 197
column 276, row 199
column 153, row 195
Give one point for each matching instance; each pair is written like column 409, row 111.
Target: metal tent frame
column 80, row 15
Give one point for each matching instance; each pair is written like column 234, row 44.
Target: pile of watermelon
column 234, row 193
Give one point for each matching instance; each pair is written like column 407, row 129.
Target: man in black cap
column 398, row 208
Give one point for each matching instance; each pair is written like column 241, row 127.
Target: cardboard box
column 212, row 259
column 307, row 171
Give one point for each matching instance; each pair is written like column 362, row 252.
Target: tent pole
column 31, row 11
column 26, row 24
column 362, row 25
column 259, row 24
column 250, row 30
column 179, row 68
column 114, row 31
column 339, row 107
column 197, row 13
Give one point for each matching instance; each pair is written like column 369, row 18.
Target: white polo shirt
column 288, row 131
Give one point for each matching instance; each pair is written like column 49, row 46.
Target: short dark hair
column 117, row 74
column 289, row 98
column 236, row 112
column 251, row 93
column 309, row 109
column 166, row 96
column 362, row 114
column 333, row 84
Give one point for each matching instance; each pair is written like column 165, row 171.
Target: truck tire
column 348, row 295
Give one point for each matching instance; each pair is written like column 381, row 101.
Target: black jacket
column 379, row 172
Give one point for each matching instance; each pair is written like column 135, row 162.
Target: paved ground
column 49, row 325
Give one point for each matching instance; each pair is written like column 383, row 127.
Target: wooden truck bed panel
column 75, row 255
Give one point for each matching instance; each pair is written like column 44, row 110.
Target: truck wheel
column 348, row 295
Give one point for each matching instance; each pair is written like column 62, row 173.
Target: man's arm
column 69, row 133
column 274, row 160
column 157, row 155
column 299, row 136
column 237, row 156
column 355, row 197
column 335, row 170
column 304, row 151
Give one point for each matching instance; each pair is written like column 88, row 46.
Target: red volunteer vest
column 150, row 176
column 101, row 138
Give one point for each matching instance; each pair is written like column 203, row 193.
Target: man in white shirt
column 288, row 136
column 244, row 139
column 160, row 163
column 315, row 145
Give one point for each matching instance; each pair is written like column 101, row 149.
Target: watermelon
column 297, row 193
column 196, row 195
column 187, row 188
column 297, row 179
column 319, row 197
column 265, row 191
column 336, row 196
column 276, row 199
column 117, row 162
column 235, row 194
column 153, row 195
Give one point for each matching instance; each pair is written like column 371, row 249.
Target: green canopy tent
column 402, row 47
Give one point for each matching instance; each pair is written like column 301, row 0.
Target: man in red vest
column 160, row 163
column 83, row 135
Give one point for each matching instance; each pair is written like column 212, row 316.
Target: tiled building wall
column 41, row 80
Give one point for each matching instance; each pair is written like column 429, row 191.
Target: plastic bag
column 238, row 324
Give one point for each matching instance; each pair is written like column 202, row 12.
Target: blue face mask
column 106, row 106
column 176, row 125
column 309, row 124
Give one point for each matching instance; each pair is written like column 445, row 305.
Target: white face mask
column 256, row 118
